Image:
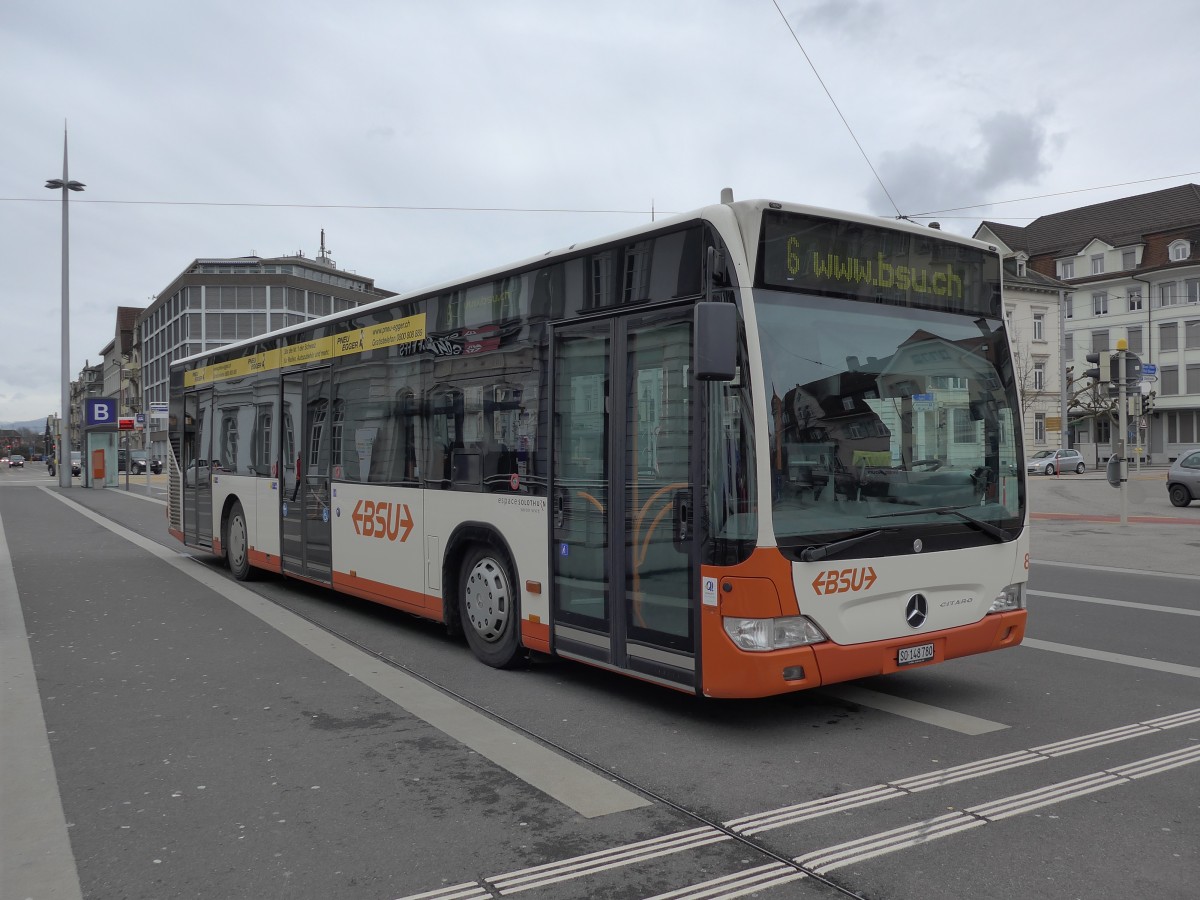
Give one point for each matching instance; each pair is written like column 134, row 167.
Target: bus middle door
column 304, row 509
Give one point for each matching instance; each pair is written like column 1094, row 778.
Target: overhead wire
column 828, row 94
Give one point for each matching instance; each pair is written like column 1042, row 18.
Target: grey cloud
column 1011, row 150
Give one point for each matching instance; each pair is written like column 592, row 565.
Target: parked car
column 1047, row 462
column 16, row 461
column 76, row 462
column 1183, row 478
column 141, row 460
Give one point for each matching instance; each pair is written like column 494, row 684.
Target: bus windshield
column 886, row 418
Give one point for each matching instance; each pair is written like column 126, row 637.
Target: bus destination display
column 850, row 259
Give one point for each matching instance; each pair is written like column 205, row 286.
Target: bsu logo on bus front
column 841, row 581
column 382, row 519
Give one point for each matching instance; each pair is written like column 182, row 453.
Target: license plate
column 910, row 655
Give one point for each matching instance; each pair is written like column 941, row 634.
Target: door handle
column 683, row 519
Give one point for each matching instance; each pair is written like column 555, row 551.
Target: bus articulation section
column 745, row 451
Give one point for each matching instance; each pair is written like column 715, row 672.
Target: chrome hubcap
column 237, row 542
column 486, row 597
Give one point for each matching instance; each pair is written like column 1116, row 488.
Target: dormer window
column 1180, row 250
column 1022, row 259
column 1066, row 268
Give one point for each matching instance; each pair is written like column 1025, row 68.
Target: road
column 213, row 739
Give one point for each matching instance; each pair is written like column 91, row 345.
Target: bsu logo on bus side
column 842, row 581
column 382, row 519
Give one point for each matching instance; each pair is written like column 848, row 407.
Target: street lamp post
column 66, row 185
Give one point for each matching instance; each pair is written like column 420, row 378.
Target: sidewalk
column 1076, row 519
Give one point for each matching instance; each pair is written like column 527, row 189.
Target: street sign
column 100, row 411
column 125, row 423
column 1149, row 369
column 139, row 419
column 158, row 410
column 923, row 402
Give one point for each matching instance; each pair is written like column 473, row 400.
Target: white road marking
column 35, row 853
column 911, row 709
column 1070, row 565
column 583, row 790
column 739, row 884
column 1120, row 658
column 1145, row 607
column 830, row 858
column 578, row 866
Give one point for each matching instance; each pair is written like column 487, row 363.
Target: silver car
column 1183, row 478
column 1047, row 462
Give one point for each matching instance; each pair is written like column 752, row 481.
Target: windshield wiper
column 987, row 527
column 812, row 554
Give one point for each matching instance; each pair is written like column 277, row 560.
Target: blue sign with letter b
column 101, row 411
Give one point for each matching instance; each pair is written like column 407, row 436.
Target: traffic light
column 1133, row 368
column 1103, row 360
column 1148, row 403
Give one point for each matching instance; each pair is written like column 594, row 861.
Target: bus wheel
column 237, row 546
column 487, row 599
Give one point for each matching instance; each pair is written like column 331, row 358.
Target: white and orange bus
column 750, row 450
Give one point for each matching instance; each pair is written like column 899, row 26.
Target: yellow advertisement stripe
column 373, row 337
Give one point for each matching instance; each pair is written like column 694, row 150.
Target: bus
column 745, row 451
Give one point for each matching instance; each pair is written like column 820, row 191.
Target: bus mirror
column 716, row 341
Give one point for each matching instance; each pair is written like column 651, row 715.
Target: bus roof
column 747, row 213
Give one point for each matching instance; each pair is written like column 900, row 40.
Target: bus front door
column 195, row 448
column 304, row 508
column 625, row 562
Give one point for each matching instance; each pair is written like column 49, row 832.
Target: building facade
column 1133, row 267
column 217, row 301
column 1033, row 305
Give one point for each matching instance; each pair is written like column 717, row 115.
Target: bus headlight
column 1012, row 597
column 772, row 634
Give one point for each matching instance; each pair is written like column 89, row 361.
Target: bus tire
column 489, row 606
column 237, row 544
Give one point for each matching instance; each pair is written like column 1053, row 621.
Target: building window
column 965, row 430
column 1168, row 384
column 1193, row 379
column 1134, row 336
column 1069, row 346
column 1069, row 306
column 1021, row 268
column 1066, row 268
column 1039, row 326
column 1099, row 341
column 1100, row 304
column 1039, row 376
column 1098, row 264
column 1008, row 315
column 1168, row 336
column 1128, row 259
column 1134, row 296
column 1180, row 250
column 1039, row 428
column 1166, row 294
column 1191, row 335
column 1191, row 289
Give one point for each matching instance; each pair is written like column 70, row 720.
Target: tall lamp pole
column 66, row 185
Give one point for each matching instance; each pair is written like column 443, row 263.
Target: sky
column 432, row 139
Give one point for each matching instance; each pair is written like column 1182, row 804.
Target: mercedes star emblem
column 916, row 611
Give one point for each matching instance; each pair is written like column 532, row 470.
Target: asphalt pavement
column 168, row 733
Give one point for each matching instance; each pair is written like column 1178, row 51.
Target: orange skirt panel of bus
column 389, row 595
column 761, row 587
